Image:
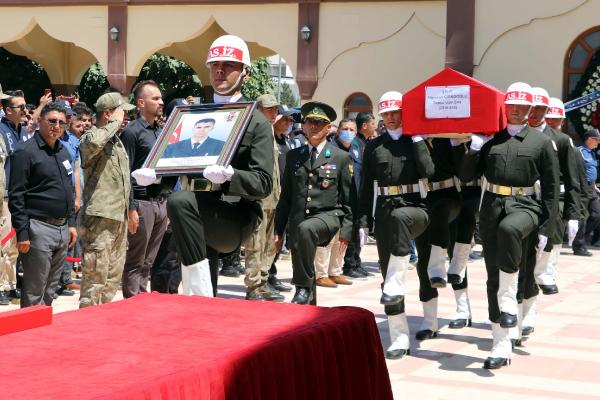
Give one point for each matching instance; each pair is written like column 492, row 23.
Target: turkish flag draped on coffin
column 450, row 104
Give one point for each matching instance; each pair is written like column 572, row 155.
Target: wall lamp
column 114, row 34
column 305, row 33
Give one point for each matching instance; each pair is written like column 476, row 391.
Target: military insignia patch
column 325, row 183
column 351, row 168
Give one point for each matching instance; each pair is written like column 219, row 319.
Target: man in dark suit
column 200, row 144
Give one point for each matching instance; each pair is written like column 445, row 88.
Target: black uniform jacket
column 569, row 173
column 323, row 188
column 391, row 163
column 519, row 161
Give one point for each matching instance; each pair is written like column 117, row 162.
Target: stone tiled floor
column 561, row 360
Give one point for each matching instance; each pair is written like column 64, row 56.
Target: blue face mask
column 346, row 136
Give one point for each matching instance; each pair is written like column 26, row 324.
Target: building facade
column 346, row 53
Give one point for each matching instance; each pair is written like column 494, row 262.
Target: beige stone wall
column 65, row 40
column 187, row 31
column 374, row 47
column 529, row 45
column 368, row 47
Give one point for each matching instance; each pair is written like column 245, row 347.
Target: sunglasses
column 54, row 121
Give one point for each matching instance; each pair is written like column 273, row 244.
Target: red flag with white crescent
column 176, row 133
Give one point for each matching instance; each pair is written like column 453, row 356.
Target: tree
column 92, row 85
column 259, row 82
column 287, row 96
column 18, row 72
column 175, row 78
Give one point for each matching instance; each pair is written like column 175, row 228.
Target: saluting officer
column 569, row 210
column 315, row 198
column 205, row 224
column 396, row 167
column 511, row 161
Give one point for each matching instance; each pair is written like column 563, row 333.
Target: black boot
column 278, row 285
column 4, row 300
column 495, row 363
column 303, row 295
column 228, row 268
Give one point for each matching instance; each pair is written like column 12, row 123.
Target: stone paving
column 561, row 360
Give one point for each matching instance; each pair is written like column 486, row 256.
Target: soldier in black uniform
column 461, row 236
column 569, row 210
column 205, row 224
column 443, row 201
column 511, row 162
column 396, row 166
column 315, row 198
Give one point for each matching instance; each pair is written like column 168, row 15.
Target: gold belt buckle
column 504, row 190
column 520, row 191
column 394, row 190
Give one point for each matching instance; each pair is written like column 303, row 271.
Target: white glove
column 477, row 141
column 542, row 242
column 458, row 141
column 363, row 235
column 218, row 174
column 145, row 176
column 572, row 228
column 417, row 138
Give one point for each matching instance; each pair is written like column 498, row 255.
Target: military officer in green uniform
column 569, row 210
column 315, row 198
column 396, row 167
column 204, row 222
column 511, row 162
column 105, row 203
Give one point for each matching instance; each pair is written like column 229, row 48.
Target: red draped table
column 157, row 346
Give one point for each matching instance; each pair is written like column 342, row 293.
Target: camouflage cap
column 267, row 100
column 108, row 101
column 318, row 110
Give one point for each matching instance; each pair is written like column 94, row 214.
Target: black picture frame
column 176, row 152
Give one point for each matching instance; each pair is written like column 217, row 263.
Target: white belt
column 445, row 184
column 396, row 190
column 510, row 190
column 474, row 182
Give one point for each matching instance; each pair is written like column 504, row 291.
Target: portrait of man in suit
column 199, row 144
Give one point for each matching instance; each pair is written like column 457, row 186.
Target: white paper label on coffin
column 447, row 102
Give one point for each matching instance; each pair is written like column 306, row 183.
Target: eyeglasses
column 54, row 121
column 21, row 106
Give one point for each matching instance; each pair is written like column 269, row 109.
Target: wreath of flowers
column 588, row 116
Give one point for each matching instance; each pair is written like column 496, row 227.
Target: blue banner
column 582, row 101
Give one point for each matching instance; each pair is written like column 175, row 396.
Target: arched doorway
column 355, row 103
column 582, row 77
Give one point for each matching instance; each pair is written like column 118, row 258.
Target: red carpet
column 158, row 346
column 24, row 318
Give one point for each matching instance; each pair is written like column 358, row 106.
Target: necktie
column 195, row 146
column 313, row 156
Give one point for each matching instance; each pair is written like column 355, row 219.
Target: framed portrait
column 198, row 135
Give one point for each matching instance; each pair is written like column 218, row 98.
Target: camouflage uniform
column 103, row 228
column 260, row 247
column 8, row 250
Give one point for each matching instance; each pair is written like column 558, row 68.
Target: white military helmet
column 519, row 93
column 229, row 48
column 540, row 97
column 556, row 108
column 390, row 101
